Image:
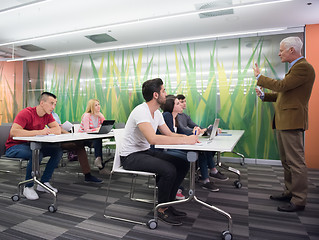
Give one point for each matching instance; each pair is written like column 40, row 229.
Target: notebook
column 105, row 128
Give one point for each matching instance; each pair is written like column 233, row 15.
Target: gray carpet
column 81, row 207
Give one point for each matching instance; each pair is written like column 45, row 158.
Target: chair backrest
column 118, row 136
column 4, row 134
column 76, row 127
column 119, row 125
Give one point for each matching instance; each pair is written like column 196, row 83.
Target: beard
column 161, row 100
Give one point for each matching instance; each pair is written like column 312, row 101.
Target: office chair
column 4, row 134
column 118, row 169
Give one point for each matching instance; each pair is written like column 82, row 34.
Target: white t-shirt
column 134, row 140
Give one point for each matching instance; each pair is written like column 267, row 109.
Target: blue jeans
column 205, row 160
column 24, row 151
column 97, row 144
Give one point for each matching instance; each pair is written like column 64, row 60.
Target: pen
column 195, row 132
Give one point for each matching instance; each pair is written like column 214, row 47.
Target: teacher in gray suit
column 291, row 96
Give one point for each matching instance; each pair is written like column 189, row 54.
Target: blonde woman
column 92, row 120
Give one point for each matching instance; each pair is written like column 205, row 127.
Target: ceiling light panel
column 101, row 38
column 31, row 48
column 215, row 5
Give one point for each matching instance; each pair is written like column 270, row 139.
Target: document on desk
column 67, row 126
column 199, row 144
column 224, row 134
column 45, row 135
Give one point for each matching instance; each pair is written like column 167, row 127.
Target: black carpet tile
column 81, row 207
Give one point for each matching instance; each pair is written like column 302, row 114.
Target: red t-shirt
column 28, row 119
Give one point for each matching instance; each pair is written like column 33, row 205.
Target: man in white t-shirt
column 140, row 133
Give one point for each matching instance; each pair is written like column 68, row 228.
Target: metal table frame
column 36, row 145
column 218, row 144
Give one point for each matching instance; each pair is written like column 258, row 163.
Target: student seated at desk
column 91, row 121
column 30, row 122
column 140, row 133
column 186, row 126
column 171, row 108
column 78, row 148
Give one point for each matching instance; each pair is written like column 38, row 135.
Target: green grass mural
column 213, row 87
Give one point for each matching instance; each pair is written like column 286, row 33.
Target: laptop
column 105, row 128
column 212, row 129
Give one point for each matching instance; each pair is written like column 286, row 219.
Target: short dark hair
column 45, row 95
column 180, row 97
column 168, row 106
column 151, row 86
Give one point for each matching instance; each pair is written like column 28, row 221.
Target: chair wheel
column 238, row 184
column 15, row 197
column 226, row 235
column 152, row 224
column 52, row 208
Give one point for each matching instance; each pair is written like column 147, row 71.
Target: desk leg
column 237, row 183
column 192, row 158
column 35, row 147
column 213, row 208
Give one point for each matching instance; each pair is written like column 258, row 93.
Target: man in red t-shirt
column 29, row 122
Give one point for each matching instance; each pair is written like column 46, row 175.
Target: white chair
column 118, row 169
column 76, row 127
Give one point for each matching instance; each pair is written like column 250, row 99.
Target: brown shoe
column 291, row 208
column 280, row 197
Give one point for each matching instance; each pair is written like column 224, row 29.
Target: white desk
column 219, row 144
column 36, row 144
column 64, row 137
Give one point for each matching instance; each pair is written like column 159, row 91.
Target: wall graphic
column 11, row 86
column 216, row 77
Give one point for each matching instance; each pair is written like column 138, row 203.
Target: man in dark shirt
column 187, row 126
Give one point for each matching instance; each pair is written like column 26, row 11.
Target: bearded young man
column 136, row 154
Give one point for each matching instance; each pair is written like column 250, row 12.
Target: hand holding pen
column 196, row 130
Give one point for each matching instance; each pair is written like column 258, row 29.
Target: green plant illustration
column 212, row 90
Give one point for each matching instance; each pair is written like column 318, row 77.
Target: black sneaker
column 168, row 218
column 210, row 186
column 177, row 213
column 92, row 179
column 219, row 176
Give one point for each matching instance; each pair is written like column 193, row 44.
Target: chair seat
column 12, row 158
column 108, row 143
column 117, row 168
column 4, row 134
column 122, row 170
